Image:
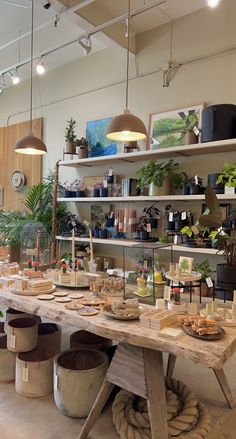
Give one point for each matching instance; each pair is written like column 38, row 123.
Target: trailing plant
column 156, row 173
column 228, row 175
column 204, row 268
column 70, row 135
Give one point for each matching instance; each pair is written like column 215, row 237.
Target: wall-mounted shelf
column 221, row 146
column 130, row 243
column 142, row 198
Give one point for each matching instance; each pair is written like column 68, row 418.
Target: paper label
column 181, row 290
column 195, row 230
column 110, row 172
column 13, row 341
column 209, row 282
column 183, row 215
column 130, row 221
column 149, row 228
column 86, row 222
column 120, row 225
column 145, row 263
column 167, row 293
column 171, row 217
column 196, row 179
column 25, row 374
column 196, row 131
column 105, row 183
column 176, row 239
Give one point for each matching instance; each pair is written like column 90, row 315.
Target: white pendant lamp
column 31, row 144
column 126, row 127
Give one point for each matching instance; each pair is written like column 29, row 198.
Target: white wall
column 92, row 87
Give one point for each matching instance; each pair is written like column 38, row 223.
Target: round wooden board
column 45, row 297
column 32, row 293
column 211, row 337
column 70, row 286
column 75, row 296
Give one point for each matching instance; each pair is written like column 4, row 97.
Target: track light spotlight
column 131, row 30
column 40, row 69
column 212, row 3
column 86, row 45
column 15, row 79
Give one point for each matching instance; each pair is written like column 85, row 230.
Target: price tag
column 86, row 222
column 73, row 223
column 56, row 382
column 171, row 217
column 110, row 172
column 209, row 282
column 13, row 341
column 183, row 215
column 25, row 374
column 176, row 239
column 130, row 221
column 196, row 179
column 196, row 131
column 167, row 293
column 149, row 228
column 105, row 183
column 195, row 230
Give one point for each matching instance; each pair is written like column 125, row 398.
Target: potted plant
column 196, row 236
column 69, row 190
column 227, row 178
column 103, row 191
column 82, row 148
column 70, row 136
column 206, row 272
column 96, row 189
column 159, row 177
column 195, row 185
column 80, row 190
column 190, row 122
column 153, row 214
column 175, row 304
column 226, row 272
column 141, row 228
column 212, row 182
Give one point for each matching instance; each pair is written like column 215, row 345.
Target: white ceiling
column 15, row 19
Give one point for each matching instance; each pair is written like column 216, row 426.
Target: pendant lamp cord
column 31, row 65
column 127, row 59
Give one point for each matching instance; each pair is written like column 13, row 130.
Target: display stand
column 186, row 282
column 140, row 371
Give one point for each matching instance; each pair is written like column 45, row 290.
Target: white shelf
column 129, row 243
column 143, row 198
column 221, row 146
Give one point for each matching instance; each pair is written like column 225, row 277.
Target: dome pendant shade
column 30, row 145
column 126, row 128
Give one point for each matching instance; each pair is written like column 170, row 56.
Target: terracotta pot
column 82, row 152
column 69, row 149
column 190, row 138
column 205, row 290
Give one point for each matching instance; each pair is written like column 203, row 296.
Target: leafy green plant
column 38, row 204
column 191, row 231
column 228, row 175
column 190, row 122
column 70, row 135
column 204, row 268
column 156, row 173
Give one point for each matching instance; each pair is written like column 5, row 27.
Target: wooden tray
column 211, row 337
column 114, row 316
column 31, row 293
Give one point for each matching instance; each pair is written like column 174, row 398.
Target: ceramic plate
column 62, row 299
column 208, row 337
column 116, row 317
column 45, row 297
column 32, row 293
column 87, row 311
column 75, row 296
column 60, row 294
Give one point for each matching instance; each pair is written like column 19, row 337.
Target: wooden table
column 209, row 354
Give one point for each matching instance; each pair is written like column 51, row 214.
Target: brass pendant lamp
column 31, row 144
column 126, row 127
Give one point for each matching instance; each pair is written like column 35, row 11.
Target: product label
column 229, row 190
column 171, row 217
column 196, row 131
column 167, row 293
column 149, row 228
column 209, row 282
column 25, row 374
column 105, row 183
column 196, row 179
column 176, row 239
column 110, row 172
column 13, row 341
column 183, row 215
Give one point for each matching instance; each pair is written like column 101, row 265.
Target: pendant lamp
column 126, row 127
column 31, row 144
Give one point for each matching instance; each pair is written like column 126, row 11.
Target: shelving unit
column 143, row 198
column 220, row 146
column 130, row 243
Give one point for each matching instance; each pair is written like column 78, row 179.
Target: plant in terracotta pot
column 159, row 177
column 190, row 124
column 228, row 178
column 206, row 272
column 70, row 136
column 213, row 218
column 82, row 148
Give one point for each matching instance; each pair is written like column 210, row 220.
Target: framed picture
column 186, row 264
column 99, row 145
column 167, row 129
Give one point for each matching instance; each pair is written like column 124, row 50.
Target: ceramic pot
column 160, row 190
column 102, row 233
column 82, row 152
column 96, row 233
column 84, row 339
column 103, row 192
column 153, row 222
column 143, row 235
column 185, row 189
column 226, row 277
column 110, row 222
column 205, row 290
column 80, row 194
column 190, row 138
column 96, row 193
column 78, row 376
column 152, row 190
column 69, row 194
column 195, row 189
column 69, row 149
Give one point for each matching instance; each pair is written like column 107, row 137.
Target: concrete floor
column 25, row 418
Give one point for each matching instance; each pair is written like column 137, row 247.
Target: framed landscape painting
column 167, row 129
column 99, row 145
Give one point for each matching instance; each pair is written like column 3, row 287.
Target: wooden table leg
column 156, row 393
column 222, row 380
column 98, row 405
column 171, row 365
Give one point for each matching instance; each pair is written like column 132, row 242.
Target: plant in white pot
column 159, row 177
column 70, row 136
column 228, row 178
column 190, row 129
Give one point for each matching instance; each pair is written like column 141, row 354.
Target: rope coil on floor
column 187, row 417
